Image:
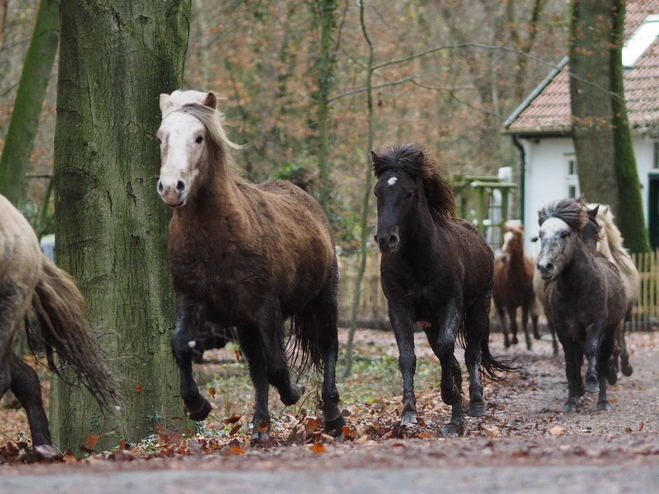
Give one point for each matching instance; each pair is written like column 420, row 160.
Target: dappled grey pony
column 584, row 296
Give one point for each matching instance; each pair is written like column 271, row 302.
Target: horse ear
column 376, row 160
column 165, row 103
column 592, row 212
column 210, row 100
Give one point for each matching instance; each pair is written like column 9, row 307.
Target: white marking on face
column 507, row 237
column 392, row 181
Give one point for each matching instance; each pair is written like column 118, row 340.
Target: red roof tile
column 547, row 109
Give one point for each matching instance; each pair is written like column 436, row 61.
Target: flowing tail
column 62, row 314
column 490, row 366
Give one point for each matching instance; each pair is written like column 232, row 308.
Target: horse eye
column 409, row 194
column 199, row 139
column 564, row 234
column 158, row 139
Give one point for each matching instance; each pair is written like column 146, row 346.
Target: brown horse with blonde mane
column 29, row 280
column 245, row 256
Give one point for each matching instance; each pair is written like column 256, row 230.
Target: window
column 655, row 155
column 571, row 176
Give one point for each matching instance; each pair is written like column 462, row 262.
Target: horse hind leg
column 25, row 386
column 625, row 366
column 188, row 324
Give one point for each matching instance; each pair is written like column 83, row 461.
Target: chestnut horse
column 435, row 269
column 29, row 280
column 584, row 298
column 245, row 256
column 513, row 285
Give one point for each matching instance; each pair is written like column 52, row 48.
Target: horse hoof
column 335, row 427
column 477, row 409
column 260, row 437
column 201, row 413
column 408, row 418
column 570, row 407
column 515, row 340
column 603, row 405
column 453, row 429
column 612, row 376
column 627, row 370
column 537, row 336
column 296, row 392
column 46, row 451
column 592, row 386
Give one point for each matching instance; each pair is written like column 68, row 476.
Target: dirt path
column 524, row 428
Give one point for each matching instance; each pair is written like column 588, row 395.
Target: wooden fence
column 645, row 316
column 373, row 304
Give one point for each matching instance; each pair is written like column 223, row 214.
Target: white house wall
column 546, row 177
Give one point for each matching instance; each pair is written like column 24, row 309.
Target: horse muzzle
column 547, row 270
column 388, row 242
column 175, row 194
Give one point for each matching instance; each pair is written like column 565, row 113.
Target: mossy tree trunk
column 31, row 92
column 601, row 134
column 115, row 59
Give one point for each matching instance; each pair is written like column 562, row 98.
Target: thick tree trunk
column 630, row 217
column 115, row 59
column 590, row 89
column 326, row 19
column 29, row 100
column 602, row 137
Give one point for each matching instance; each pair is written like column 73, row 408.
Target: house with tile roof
column 541, row 126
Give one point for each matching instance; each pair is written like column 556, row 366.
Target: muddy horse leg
column 188, row 324
column 404, row 332
column 592, row 350
column 603, row 358
column 476, row 330
column 573, row 359
column 443, row 345
column 325, row 319
column 25, row 386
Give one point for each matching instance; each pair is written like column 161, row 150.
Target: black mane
column 416, row 161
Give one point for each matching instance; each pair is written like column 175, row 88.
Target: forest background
column 447, row 73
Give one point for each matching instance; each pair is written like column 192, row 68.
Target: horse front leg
column 592, row 351
column 573, row 359
column 525, row 326
column 512, row 315
column 189, row 322
column 504, row 328
column 404, row 333
column 477, row 330
column 603, row 360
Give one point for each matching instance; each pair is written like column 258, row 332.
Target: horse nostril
column 393, row 240
column 549, row 267
column 161, row 188
column 180, row 185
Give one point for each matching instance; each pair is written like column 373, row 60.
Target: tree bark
column 115, row 59
column 630, row 217
column 31, row 92
column 326, row 18
column 601, row 133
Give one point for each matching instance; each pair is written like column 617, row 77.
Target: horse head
column 190, row 135
column 561, row 223
column 409, row 185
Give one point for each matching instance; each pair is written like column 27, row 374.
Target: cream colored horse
column 28, row 279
